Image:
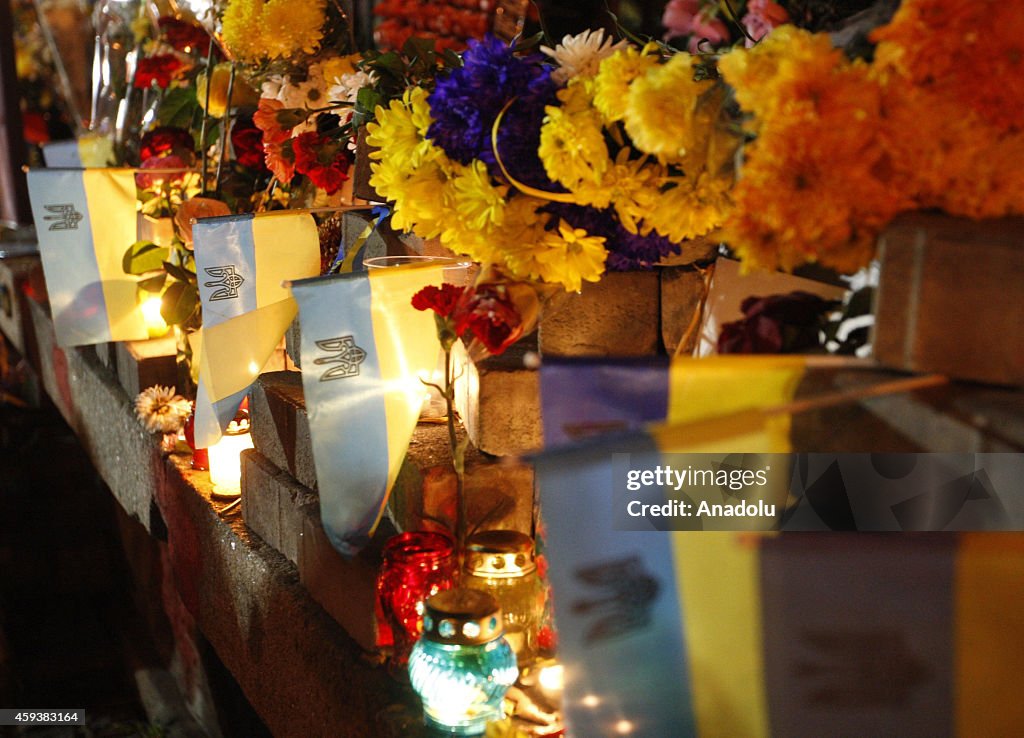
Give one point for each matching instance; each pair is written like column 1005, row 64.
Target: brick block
column 500, row 403
column 286, row 516
column 274, row 504
column 617, row 316
column 260, row 498
column 500, row 493
column 279, row 426
column 141, row 364
column 951, row 297
column 682, row 292
column 345, row 588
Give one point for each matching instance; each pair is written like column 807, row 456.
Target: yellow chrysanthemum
column 423, row 199
column 661, row 109
column 630, row 186
column 611, row 84
column 572, row 146
column 257, row 30
column 571, row 256
column 690, row 209
column 399, row 131
column 478, row 201
column 517, row 244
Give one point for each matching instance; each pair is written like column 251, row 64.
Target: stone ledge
column 298, row 667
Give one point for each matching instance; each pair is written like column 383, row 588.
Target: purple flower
column 626, row 251
column 466, row 103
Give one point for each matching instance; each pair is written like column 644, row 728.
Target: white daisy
column 161, row 409
column 581, row 55
column 347, row 86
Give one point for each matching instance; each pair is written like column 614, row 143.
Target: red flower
column 166, row 141
column 247, row 142
column 184, row 36
column 442, row 300
column 323, row 160
column 35, row 129
column 145, row 181
column 159, row 69
column 488, row 313
column 267, row 120
column 280, row 160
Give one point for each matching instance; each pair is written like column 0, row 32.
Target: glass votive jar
column 416, row 565
column 224, row 458
column 462, row 666
column 502, row 563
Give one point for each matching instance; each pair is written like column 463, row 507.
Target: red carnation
column 488, row 313
column 247, row 142
column 184, row 36
column 321, row 159
column 166, row 141
column 442, row 300
column 159, row 69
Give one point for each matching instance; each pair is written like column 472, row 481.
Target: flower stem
column 458, row 453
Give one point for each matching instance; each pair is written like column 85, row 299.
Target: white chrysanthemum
column 161, row 409
column 347, row 86
column 309, row 93
column 581, row 55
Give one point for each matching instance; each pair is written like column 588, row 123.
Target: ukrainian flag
column 672, row 611
column 85, row 219
column 729, row 634
column 242, row 262
column 364, row 349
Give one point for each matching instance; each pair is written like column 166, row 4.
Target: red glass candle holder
column 416, row 566
column 200, row 456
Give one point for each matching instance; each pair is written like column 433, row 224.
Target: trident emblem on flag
column 65, row 216
column 346, row 355
column 226, row 279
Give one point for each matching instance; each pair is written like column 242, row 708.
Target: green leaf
column 180, row 301
column 179, row 273
column 177, row 107
column 153, row 284
column 142, row 257
column 367, row 99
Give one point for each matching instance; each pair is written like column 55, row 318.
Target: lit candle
column 462, row 666
column 225, row 461
column 155, row 324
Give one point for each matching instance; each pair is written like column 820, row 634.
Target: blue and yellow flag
column 85, row 219
column 242, row 262
column 673, row 612
column 364, row 349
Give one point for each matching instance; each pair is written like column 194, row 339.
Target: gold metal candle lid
column 500, row 553
column 462, row 617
